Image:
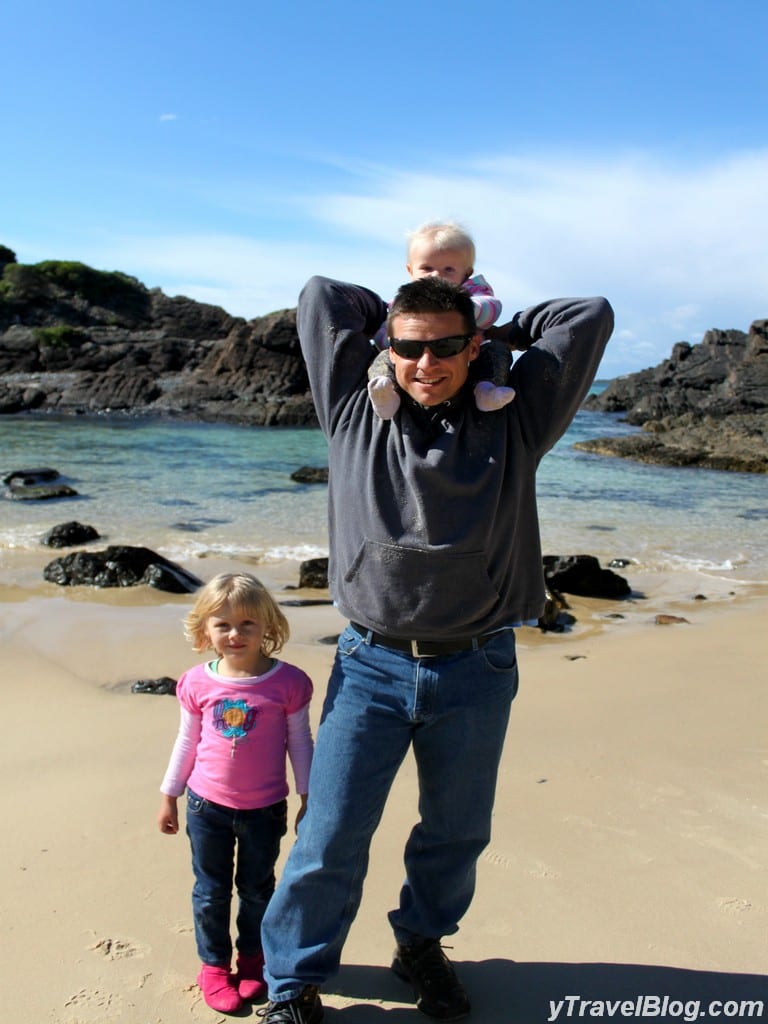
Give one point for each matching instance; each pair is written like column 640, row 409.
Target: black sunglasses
column 441, row 348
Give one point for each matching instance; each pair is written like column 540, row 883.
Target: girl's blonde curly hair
column 249, row 597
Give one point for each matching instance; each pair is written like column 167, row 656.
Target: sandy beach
column 630, row 851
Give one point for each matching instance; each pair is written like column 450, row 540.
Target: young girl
column 239, row 715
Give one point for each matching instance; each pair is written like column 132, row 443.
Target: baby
column 446, row 250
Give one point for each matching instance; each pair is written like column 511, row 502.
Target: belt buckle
column 416, row 653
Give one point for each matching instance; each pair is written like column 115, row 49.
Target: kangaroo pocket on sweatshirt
column 417, row 592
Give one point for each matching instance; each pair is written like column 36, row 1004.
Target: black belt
column 423, row 648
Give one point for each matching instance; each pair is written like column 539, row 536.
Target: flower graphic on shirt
column 234, row 718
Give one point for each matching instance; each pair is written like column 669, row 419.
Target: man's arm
column 565, row 340
column 336, row 322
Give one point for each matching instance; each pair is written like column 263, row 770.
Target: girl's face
column 237, row 638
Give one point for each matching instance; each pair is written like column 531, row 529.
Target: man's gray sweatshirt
column 433, row 527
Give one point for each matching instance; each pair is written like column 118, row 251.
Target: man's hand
column 510, row 334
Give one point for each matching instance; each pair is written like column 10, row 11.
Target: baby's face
column 425, row 261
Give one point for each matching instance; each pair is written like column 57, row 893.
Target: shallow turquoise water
column 186, row 489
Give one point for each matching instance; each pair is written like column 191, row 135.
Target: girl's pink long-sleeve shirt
column 235, row 734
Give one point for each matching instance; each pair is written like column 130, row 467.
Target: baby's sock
column 384, row 398
column 489, row 397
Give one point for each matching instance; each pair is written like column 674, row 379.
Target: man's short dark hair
column 432, row 295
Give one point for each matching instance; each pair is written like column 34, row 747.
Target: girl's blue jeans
column 453, row 710
column 228, row 844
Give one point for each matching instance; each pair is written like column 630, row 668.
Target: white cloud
column 169, row 117
column 677, row 249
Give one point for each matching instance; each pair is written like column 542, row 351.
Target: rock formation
column 707, row 405
column 74, row 340
column 79, row 341
column 120, row 566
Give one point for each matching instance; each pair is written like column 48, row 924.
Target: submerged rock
column 30, row 477
column 36, row 485
column 311, row 475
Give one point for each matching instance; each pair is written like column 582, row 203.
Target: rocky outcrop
column 78, row 341
column 120, row 566
column 707, row 405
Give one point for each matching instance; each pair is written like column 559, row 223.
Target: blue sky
column 228, row 151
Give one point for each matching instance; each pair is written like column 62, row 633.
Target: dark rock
column 553, row 619
column 30, row 477
column 311, row 475
column 78, row 341
column 706, row 406
column 619, row 563
column 42, row 492
column 314, row 573
column 581, row 574
column 171, row 578
column 305, row 602
column 120, row 566
column 36, row 485
column 159, row 686
column 66, row 535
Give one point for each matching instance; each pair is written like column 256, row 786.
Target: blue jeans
column 454, row 711
column 226, row 841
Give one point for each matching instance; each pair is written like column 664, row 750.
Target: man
column 434, row 556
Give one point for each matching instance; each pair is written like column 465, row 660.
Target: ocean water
column 191, row 490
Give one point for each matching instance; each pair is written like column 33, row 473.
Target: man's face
column 429, row 380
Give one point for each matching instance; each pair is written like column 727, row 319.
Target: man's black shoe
column 305, row 1009
column 439, row 993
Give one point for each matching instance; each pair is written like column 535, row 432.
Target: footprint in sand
column 116, row 949
column 537, row 870
column 733, row 905
column 104, row 1002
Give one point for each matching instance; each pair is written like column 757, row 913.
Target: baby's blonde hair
column 246, row 595
column 444, row 234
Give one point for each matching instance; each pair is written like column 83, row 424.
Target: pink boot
column 218, row 987
column 250, row 976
